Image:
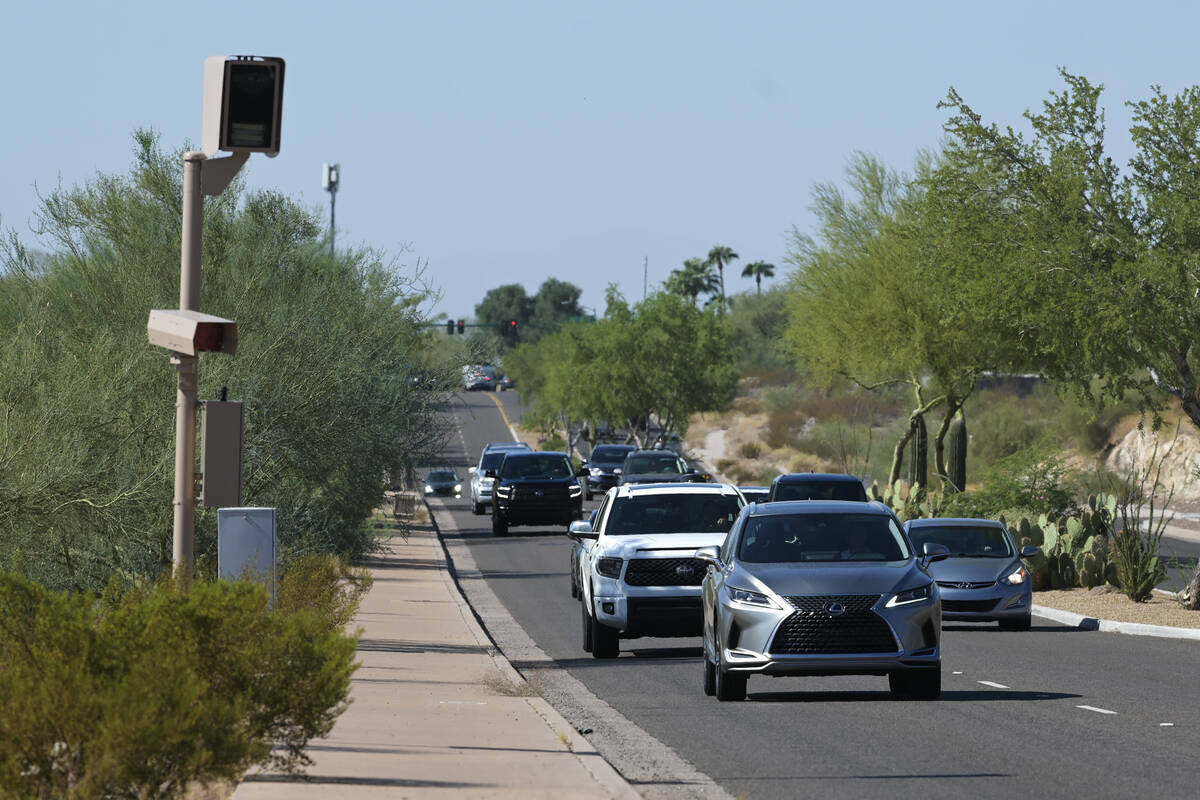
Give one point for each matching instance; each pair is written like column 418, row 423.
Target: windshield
column 490, row 460
column 830, row 490
column 964, row 541
column 821, row 537
column 672, row 513
column 539, row 466
column 443, row 476
column 608, row 455
column 640, row 465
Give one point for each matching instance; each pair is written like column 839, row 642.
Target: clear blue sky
column 514, row 141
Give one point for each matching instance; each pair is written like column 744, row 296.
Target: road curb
column 607, row 776
column 1085, row 623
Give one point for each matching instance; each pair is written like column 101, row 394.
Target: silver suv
column 481, row 484
column 638, row 574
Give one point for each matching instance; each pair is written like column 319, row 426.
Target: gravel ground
column 1158, row 610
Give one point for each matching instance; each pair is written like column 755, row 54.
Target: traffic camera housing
column 192, row 332
column 243, row 104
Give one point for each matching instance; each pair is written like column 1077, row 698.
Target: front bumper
column 668, row 611
column 601, row 483
column 520, row 514
column 989, row 604
column 892, row 639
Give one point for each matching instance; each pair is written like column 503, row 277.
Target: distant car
column 602, row 466
column 534, row 488
column 480, row 377
column 817, row 486
column 637, row 571
column 755, row 494
column 481, row 485
column 820, row 588
column 443, row 483
column 658, row 466
column 506, row 382
column 984, row 578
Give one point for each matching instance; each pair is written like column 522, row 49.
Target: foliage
column 758, row 270
column 757, row 323
column 143, row 689
column 87, row 404
column 555, row 303
column 1137, row 546
column 324, row 584
column 1030, row 480
column 695, row 278
column 718, row 257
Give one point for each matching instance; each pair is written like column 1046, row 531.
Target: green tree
column 759, row 270
column 555, row 302
column 695, row 278
column 506, row 302
column 718, row 257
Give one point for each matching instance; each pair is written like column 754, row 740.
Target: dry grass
column 1158, row 610
column 218, row 790
column 502, row 685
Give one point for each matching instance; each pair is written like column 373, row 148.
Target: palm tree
column 718, row 257
column 759, row 270
column 693, row 279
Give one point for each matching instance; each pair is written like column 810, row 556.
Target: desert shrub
column 725, row 465
column 1029, row 481
column 141, row 690
column 750, row 450
column 555, row 442
column 327, row 585
column 808, row 462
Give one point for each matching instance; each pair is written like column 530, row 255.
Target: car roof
column 531, row 453
column 816, row 477
column 642, row 489
column 626, row 447
column 954, row 522
column 796, row 507
column 506, row 446
column 646, row 452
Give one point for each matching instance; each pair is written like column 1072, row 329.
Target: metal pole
column 186, row 369
column 332, row 229
column 645, row 275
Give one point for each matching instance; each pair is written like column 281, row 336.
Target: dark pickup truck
column 535, row 488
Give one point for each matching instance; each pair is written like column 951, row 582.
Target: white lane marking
column 993, row 684
column 462, row 703
column 1097, row 710
column 1166, row 724
column 958, row 672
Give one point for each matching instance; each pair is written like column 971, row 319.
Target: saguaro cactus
column 956, row 454
column 918, row 455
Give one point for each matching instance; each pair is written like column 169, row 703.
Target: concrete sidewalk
column 437, row 711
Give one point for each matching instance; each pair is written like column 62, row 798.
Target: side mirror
column 491, row 473
column 1029, row 551
column 472, row 470
column 582, row 529
column 709, row 555
column 935, row 552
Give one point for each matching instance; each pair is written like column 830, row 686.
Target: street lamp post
column 330, row 176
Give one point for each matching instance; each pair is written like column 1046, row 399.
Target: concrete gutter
column 1112, row 626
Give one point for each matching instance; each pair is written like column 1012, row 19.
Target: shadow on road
column 967, row 696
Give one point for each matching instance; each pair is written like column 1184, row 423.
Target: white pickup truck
column 638, row 574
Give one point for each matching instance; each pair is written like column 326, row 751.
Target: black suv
column 658, row 466
column 534, row 488
column 817, row 486
column 602, row 466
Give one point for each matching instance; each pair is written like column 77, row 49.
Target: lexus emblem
column 685, row 570
column 834, row 609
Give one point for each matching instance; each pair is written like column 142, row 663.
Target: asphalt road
column 1054, row 712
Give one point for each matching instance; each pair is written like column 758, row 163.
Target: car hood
column 975, row 570
column 679, row 545
column 837, row 578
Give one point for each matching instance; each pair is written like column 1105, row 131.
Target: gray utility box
column 246, row 545
column 221, row 454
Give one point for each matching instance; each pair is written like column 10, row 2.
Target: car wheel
column 710, row 677
column 1019, row 624
column 729, row 686
column 605, row 643
column 475, row 509
column 499, row 526
column 587, row 626
column 917, row 684
column 574, row 588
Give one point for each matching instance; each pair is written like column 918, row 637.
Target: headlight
column 918, row 595
column 1016, row 578
column 458, row 487
column 609, row 567
column 428, row 489
column 503, row 492
column 750, row 598
column 596, row 472
column 575, row 489
column 486, row 483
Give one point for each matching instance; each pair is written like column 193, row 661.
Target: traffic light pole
column 201, row 176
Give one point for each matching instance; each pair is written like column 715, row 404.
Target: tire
column 729, row 686
column 1019, row 624
column 499, row 526
column 475, row 507
column 587, row 626
column 605, row 643
column 917, row 684
column 710, row 677
column 574, row 588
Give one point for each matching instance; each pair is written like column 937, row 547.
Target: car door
column 588, row 546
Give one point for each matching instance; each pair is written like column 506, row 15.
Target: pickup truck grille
column 665, row 572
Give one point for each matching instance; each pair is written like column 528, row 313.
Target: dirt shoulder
column 1158, row 610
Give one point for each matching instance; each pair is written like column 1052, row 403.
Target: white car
column 481, row 484
column 638, row 574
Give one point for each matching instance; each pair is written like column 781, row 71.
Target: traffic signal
column 461, row 326
column 512, row 327
column 450, row 327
